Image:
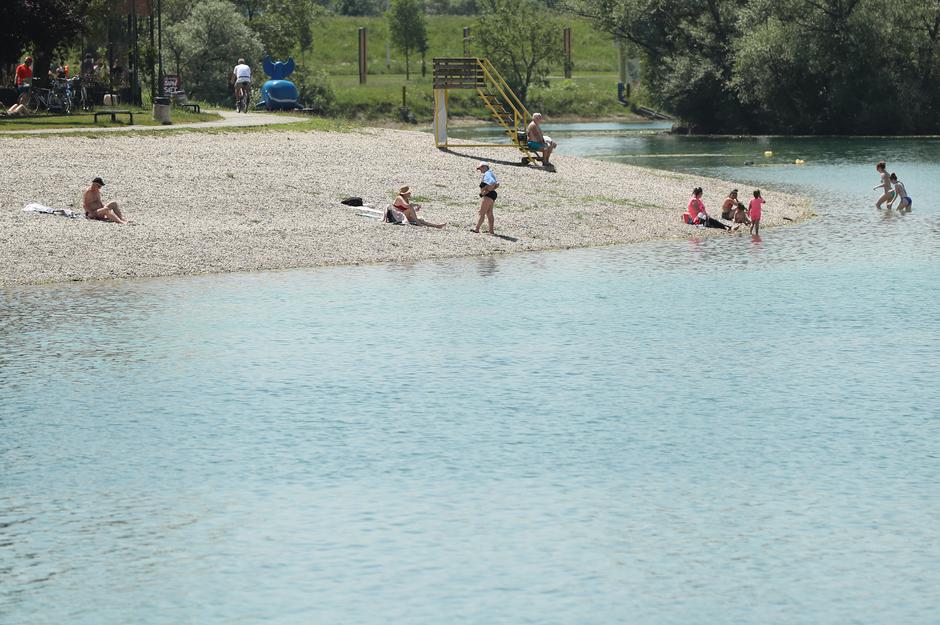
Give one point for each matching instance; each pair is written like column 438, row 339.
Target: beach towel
column 40, row 208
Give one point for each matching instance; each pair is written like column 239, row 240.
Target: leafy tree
column 46, row 24
column 286, row 24
column 358, row 7
column 521, row 38
column 208, row 43
column 408, row 30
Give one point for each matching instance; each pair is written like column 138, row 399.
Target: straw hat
column 404, row 190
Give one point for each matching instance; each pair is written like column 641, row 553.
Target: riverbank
column 221, row 202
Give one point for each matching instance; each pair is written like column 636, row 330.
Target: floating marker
column 799, row 161
column 768, row 153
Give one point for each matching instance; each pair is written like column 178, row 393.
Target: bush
column 315, row 90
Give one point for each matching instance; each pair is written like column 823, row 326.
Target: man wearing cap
column 95, row 208
column 488, row 187
column 539, row 142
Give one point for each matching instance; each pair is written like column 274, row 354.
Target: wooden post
column 362, row 56
column 466, row 41
column 404, row 100
column 567, row 33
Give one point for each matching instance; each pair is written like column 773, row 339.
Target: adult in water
column 699, row 216
column 888, row 195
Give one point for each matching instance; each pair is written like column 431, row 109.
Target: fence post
column 404, row 100
column 362, row 55
column 466, row 41
column 567, row 32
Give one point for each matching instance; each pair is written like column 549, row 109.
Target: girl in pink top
column 754, row 209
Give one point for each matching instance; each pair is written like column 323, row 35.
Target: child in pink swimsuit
column 754, row 209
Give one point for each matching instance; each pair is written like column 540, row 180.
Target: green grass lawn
column 336, row 44
column 82, row 120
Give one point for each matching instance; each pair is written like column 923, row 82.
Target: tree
column 286, row 24
column 521, row 38
column 46, row 24
column 208, row 43
column 407, row 29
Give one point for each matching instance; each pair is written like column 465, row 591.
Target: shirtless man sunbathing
column 96, row 209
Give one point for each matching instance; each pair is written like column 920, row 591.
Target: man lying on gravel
column 95, row 208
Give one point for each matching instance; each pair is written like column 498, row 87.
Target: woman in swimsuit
column 488, row 188
column 699, row 216
column 904, row 204
column 404, row 204
column 888, row 195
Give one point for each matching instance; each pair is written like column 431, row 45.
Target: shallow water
column 718, row 431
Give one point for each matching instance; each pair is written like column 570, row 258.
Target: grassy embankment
column 86, row 121
column 591, row 92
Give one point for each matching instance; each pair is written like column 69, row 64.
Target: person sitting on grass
column 404, row 204
column 96, row 209
column 539, row 142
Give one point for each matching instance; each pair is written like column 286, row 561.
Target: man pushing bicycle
column 241, row 78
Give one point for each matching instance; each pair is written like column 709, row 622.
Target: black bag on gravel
column 352, row 201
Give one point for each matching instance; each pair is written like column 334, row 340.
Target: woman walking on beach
column 404, row 204
column 754, row 211
column 488, row 186
column 888, row 195
column 699, row 216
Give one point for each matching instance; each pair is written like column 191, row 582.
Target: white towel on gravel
column 40, row 208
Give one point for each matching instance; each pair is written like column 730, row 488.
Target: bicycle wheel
column 34, row 102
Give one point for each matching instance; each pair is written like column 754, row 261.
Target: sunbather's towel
column 40, row 208
column 394, row 216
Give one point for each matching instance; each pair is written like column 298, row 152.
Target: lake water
column 715, row 431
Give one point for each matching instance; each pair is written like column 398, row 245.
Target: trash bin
column 179, row 97
column 161, row 110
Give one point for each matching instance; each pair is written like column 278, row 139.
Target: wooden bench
column 114, row 113
column 195, row 108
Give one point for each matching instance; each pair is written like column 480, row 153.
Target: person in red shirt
column 24, row 79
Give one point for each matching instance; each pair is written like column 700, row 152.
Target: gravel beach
column 220, row 202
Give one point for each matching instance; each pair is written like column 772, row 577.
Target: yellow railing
column 520, row 114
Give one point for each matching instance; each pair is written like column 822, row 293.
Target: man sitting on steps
column 539, row 142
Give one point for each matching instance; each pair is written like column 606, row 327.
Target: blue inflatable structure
column 278, row 94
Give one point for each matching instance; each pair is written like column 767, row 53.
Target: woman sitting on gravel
column 697, row 214
column 404, row 204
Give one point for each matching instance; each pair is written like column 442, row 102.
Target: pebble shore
column 206, row 203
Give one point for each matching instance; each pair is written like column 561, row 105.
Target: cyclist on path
column 241, row 77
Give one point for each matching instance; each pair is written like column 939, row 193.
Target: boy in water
column 888, row 195
column 904, row 204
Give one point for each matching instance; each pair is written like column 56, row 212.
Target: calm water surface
column 721, row 431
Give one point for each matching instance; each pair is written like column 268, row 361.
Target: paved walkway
column 229, row 119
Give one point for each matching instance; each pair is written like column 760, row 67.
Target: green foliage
column 208, row 43
column 408, row 29
column 315, row 90
column 43, row 25
column 287, row 24
column 521, row 38
column 818, row 66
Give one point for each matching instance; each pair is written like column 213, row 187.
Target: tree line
column 784, row 66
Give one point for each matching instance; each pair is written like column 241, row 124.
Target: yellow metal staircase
column 504, row 106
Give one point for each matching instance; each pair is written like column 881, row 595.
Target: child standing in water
column 905, row 202
column 888, row 195
column 754, row 211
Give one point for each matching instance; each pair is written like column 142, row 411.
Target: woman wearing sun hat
column 488, row 186
column 404, row 204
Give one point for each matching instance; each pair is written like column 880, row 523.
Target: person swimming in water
column 888, row 195
column 905, row 202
